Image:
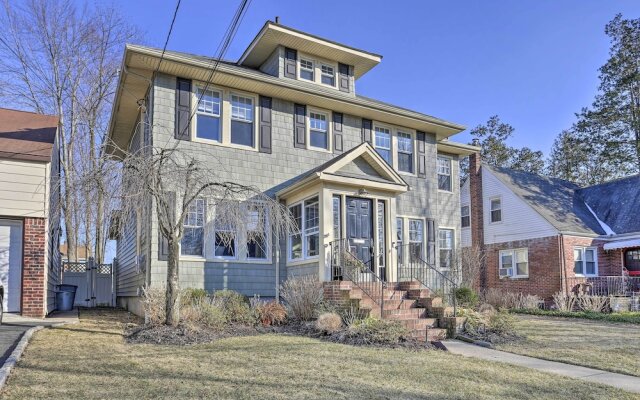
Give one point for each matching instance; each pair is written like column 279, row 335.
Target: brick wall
column 544, row 267
column 33, row 268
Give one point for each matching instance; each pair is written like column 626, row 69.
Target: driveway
column 14, row 326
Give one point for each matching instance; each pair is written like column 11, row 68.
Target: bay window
column 305, row 241
column 193, row 235
column 585, row 260
column 224, row 233
column 242, row 131
column 257, row 232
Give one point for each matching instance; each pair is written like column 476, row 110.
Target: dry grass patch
column 609, row 346
column 92, row 360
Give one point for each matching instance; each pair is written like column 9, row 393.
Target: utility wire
column 166, row 42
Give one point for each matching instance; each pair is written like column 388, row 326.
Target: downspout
column 563, row 278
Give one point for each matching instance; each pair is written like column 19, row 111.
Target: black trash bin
column 65, row 297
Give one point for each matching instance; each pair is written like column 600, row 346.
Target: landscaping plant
column 271, row 313
column 466, row 297
column 329, row 323
column 593, row 303
column 372, row 330
column 303, row 296
column 564, row 302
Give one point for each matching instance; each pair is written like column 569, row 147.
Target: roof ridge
column 622, row 178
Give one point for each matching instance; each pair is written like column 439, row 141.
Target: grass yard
column 91, row 360
column 609, row 346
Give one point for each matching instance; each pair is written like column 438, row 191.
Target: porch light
column 362, row 192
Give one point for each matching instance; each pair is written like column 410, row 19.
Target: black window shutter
column 265, row 125
column 366, row 130
column 344, row 73
column 163, row 243
column 290, row 63
column 422, row 157
column 183, row 109
column 300, row 126
column 337, row 132
column 431, row 241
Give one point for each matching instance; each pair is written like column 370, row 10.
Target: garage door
column 11, row 263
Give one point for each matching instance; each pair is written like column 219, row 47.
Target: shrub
column 486, row 308
column 205, row 314
column 193, row 296
column 329, row 323
column 153, row 303
column 528, row 302
column 593, row 303
column 234, row 305
column 466, row 297
column 271, row 313
column 564, row 302
column 303, row 296
column 351, row 314
column 378, row 331
column 502, row 323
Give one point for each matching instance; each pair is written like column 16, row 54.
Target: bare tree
column 57, row 58
column 176, row 182
column 467, row 265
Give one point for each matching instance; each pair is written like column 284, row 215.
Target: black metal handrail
column 411, row 266
column 345, row 265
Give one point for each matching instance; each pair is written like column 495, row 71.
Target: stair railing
column 413, row 267
column 345, row 265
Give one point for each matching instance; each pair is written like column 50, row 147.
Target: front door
column 11, row 263
column 360, row 229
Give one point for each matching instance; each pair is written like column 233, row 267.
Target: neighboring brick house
column 286, row 118
column 29, row 235
column 542, row 235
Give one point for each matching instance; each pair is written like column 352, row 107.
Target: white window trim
column 453, row 244
column 461, row 207
column 317, row 69
column 375, row 125
column 501, row 210
column 438, row 157
column 329, row 115
column 313, row 68
column 513, row 263
column 194, row 121
column 394, row 138
column 197, row 257
column 584, row 260
column 302, row 232
column 405, row 234
column 267, row 244
column 225, row 117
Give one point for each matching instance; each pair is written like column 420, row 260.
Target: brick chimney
column 477, row 211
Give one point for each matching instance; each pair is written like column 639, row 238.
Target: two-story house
column 543, row 235
column 286, row 118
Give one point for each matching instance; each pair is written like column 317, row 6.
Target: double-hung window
column 416, row 239
column 514, row 263
column 327, row 75
column 405, row 152
column 306, row 70
column 257, row 232
column 383, row 143
column 585, row 261
column 242, row 131
column 496, row 209
column 445, row 242
column 444, row 173
column 305, row 241
column 400, row 239
column 465, row 216
column 318, row 130
column 193, row 234
column 224, row 232
column 208, row 114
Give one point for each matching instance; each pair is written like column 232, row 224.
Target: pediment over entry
column 361, row 166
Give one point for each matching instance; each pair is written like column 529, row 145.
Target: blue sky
column 533, row 62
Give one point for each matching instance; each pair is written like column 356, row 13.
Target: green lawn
column 608, row 346
column 91, row 360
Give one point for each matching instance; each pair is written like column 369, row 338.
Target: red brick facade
column 34, row 279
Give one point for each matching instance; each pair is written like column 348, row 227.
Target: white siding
column 519, row 220
column 23, row 188
column 465, row 200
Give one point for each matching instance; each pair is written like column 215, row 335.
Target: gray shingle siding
column 272, row 65
column 270, row 173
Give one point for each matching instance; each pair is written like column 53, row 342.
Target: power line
column 166, row 42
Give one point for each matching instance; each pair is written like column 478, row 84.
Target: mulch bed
column 183, row 335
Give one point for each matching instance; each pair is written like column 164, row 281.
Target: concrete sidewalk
column 14, row 326
column 624, row 382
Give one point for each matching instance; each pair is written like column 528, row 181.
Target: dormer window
column 306, row 70
column 327, row 75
